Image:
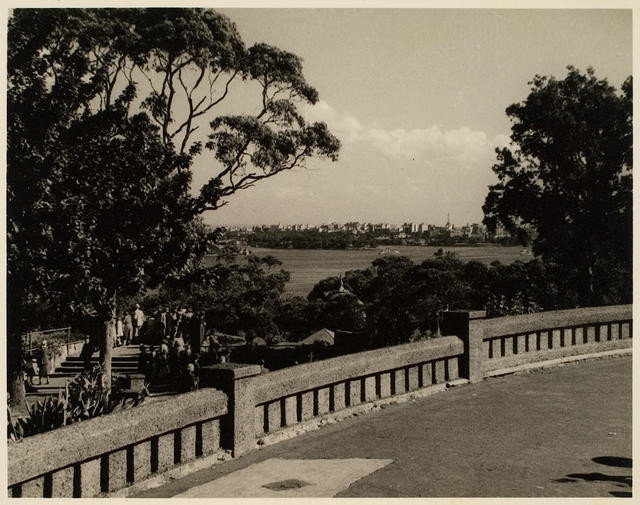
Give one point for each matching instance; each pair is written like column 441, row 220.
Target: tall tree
column 565, row 182
column 103, row 110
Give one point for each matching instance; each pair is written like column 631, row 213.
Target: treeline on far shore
column 392, row 301
column 315, row 239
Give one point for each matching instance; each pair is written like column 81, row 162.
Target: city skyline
column 356, row 221
column 353, row 221
column 418, row 98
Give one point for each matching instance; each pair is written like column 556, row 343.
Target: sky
column 418, row 99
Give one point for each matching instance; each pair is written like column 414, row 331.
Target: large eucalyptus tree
column 107, row 111
column 565, row 182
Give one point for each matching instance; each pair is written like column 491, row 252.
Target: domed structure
column 344, row 311
column 341, row 293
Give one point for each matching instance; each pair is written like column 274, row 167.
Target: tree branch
column 250, row 179
column 216, row 102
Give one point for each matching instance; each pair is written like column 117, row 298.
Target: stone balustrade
column 495, row 345
column 297, row 394
column 109, row 453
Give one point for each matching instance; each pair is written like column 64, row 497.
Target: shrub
column 82, row 398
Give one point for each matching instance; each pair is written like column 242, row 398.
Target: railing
column 299, row 393
column 33, row 340
column 109, row 453
column 496, row 345
column 513, row 341
column 265, row 403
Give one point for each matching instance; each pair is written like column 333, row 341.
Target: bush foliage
column 83, row 398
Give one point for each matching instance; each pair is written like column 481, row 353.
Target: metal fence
column 55, row 337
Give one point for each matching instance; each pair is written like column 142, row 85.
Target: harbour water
column 308, row 266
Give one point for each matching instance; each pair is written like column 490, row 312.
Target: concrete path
column 564, row 431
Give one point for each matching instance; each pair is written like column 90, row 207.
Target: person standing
column 197, row 332
column 119, row 331
column 87, row 352
column 138, row 320
column 202, row 331
column 127, row 329
column 45, row 362
column 172, row 322
column 163, row 319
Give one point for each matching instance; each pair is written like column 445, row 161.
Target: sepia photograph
column 318, row 251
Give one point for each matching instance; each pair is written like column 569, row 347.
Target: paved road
column 564, row 431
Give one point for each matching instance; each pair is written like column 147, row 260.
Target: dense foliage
column 393, row 301
column 236, row 296
column 103, row 109
column 403, row 300
column 311, row 240
column 83, row 398
column 565, row 183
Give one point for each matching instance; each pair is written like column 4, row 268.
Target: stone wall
column 299, row 393
column 267, row 402
column 111, row 452
column 107, row 453
column 517, row 340
column 496, row 345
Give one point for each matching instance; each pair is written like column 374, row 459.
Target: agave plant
column 42, row 416
column 82, row 398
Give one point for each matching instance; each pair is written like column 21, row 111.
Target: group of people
column 177, row 327
column 171, row 345
column 173, row 365
column 37, row 364
column 128, row 327
column 161, row 327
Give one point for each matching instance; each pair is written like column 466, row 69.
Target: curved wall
column 109, row 453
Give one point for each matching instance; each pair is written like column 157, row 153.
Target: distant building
column 323, row 336
column 448, row 226
column 410, row 228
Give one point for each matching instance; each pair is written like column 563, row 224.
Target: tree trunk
column 106, row 351
column 592, row 291
column 592, row 296
column 15, row 350
column 15, row 374
column 106, row 345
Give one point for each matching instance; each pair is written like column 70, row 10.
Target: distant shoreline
column 379, row 247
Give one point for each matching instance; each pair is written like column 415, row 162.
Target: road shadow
column 613, row 461
column 620, row 494
column 619, row 480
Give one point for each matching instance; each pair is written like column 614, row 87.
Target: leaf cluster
column 104, row 107
column 83, row 398
column 565, row 182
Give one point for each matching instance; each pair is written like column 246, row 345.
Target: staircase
column 124, row 361
column 74, row 365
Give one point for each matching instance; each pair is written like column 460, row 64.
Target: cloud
column 346, row 126
column 383, row 175
column 434, row 144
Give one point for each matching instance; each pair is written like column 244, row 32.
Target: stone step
column 113, row 363
column 72, row 372
column 114, row 359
